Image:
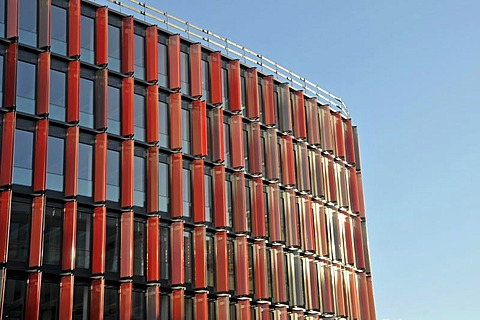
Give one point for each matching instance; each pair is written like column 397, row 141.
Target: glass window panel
column 163, row 186
column 186, row 184
column 59, row 30
column 2, row 18
column 111, row 304
column 113, row 175
column 23, row 158
column 139, row 57
column 112, row 252
column 226, row 135
column 185, row 131
column 26, row 86
column 55, row 163
column 81, row 299
column 225, row 89
column 49, row 295
column 28, row 22
column 1, row 78
column 85, row 170
column 18, row 243
column 84, row 234
column 165, row 306
column 228, row 202
column 138, row 305
column 14, row 298
column 163, row 124
column 52, row 239
column 231, row 265
column 86, row 102
column 185, row 75
column 139, row 236
column 210, row 261
column 206, row 80
column 139, row 117
column 139, row 181
column 58, row 90
column 114, row 48
column 208, row 196
column 162, row 65
column 114, row 107
column 164, row 253
column 87, row 39
column 188, row 305
column 188, row 256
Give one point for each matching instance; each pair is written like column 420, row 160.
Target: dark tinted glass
column 163, row 183
column 114, row 48
column 187, row 192
column 226, row 135
column 59, row 30
column 208, row 197
column 22, row 171
column 1, row 79
column 52, row 238
column 14, row 298
column 163, row 124
column 58, row 85
column 28, row 22
column 139, row 236
column 86, row 102
column 2, row 18
column 138, row 305
column 139, row 57
column 164, row 253
column 114, row 101
column 210, row 261
column 162, row 65
column 113, row 175
column 111, row 304
column 139, row 181
column 26, row 86
column 228, row 202
column 165, row 306
column 225, row 89
column 186, row 131
column 85, row 170
column 87, row 41
column 49, row 300
column 188, row 256
column 139, row 117
column 55, row 163
column 84, row 235
column 188, row 304
column 185, row 75
column 81, row 299
column 18, row 243
column 112, row 253
column 206, row 80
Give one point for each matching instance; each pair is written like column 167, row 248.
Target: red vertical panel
column 268, row 101
column 241, row 266
column 152, row 249
column 101, row 100
column 281, row 313
column 73, row 93
column 278, row 267
column 152, row 179
column 201, row 306
column 196, row 70
column 341, row 309
column 176, row 184
column 32, row 305
column 12, row 18
column 327, row 294
column 174, row 62
column 127, row 107
column 5, row 205
column 243, row 309
column 223, row 307
column 260, row 270
column 239, row 203
column 69, row 235
column 199, row 128
column 74, row 28
column 175, row 121
column 71, row 162
column 292, row 218
column 288, row 162
column 327, row 138
column 200, row 257
column 274, row 220
column 40, row 158
column 313, row 130
column 127, row 173
column 65, row 307
column 152, row 53
column 253, row 110
column 358, row 243
column 236, row 137
column 127, row 45
column 309, row 236
column 349, row 142
column 363, row 296
column 235, row 86
column 272, row 156
column 99, row 240
column 199, row 191
column 361, row 199
column 216, row 78
column 371, row 301
column 126, row 245
column 43, row 83
column 44, row 14
column 178, row 310
column 217, row 129
column 300, row 125
column 97, row 299
column 221, row 262
column 177, row 252
column 10, row 83
column 349, row 241
column 353, row 295
column 255, row 148
column 125, row 301
column 314, row 283
column 258, row 211
column 101, row 48
column 36, row 232
column 331, row 180
column 100, row 179
column 339, row 138
column 263, row 311
column 152, row 113
column 323, row 231
column 219, row 201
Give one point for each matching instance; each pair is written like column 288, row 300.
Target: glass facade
column 59, row 30
column 26, row 86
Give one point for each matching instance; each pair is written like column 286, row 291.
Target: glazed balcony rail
column 149, row 14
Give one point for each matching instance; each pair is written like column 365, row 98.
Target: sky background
column 409, row 72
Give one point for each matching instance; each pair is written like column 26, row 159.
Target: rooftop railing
column 149, row 14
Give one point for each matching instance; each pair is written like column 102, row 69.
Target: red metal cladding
column 153, row 302
column 236, row 137
column 152, row 249
column 223, row 307
column 12, row 11
column 5, row 205
column 127, row 174
column 125, row 300
column 101, row 100
column 127, row 45
column 71, row 162
column 200, row 255
column 331, row 180
column 371, row 301
column 176, row 184
column 293, row 238
column 339, row 293
column 280, row 313
column 196, row 70
column 339, row 138
column 302, row 168
column 44, row 13
column 313, row 132
column 260, row 270
column 99, row 240
column 327, row 292
column 220, row 200
column 263, row 312
column 178, row 310
column 278, row 268
column 288, row 163
column 199, row 128
column 101, row 38
column 349, row 241
column 218, row 142
column 177, row 253
column 175, row 121
column 358, row 243
column 253, row 109
column 32, row 304
column 152, row 112
column 326, row 127
column 65, row 307
column 152, row 53
column 309, row 239
column 152, row 179
column 274, row 220
column 271, row 157
column 175, row 80
column 73, row 92
column 216, row 78
column 40, row 158
column 199, row 191
column 354, row 309
column 241, row 266
column 323, row 231
column 235, row 88
column 299, row 118
column 363, row 296
column 268, row 101
column 258, row 211
column 126, row 245
column 349, row 142
column 316, row 174
column 97, row 299
column 127, row 107
column 100, row 172
column 74, row 28
column 243, row 310
column 239, row 203
column 221, row 262
column 36, row 232
column 284, row 108
column 201, row 306
column 69, row 235
column 314, row 284
column 10, row 83
column 255, row 148
column 361, row 199
column 43, row 83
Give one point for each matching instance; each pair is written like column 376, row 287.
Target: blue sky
column 409, row 72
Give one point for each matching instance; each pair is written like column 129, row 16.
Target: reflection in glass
column 208, row 197
column 14, row 298
column 162, row 65
column 187, row 190
column 23, row 158
column 139, row 117
column 18, row 242
column 188, row 256
column 1, row 78
column 28, row 22
column 139, row 181
column 114, row 101
column 186, row 131
column 206, row 81
column 59, row 30
column 163, row 124
column 113, row 175
column 164, row 253
column 58, row 89
column 52, row 239
column 87, row 39
column 139, row 56
column 85, row 170
column 138, row 305
column 114, row 48
column 112, row 252
column 84, row 233
column 81, row 299
column 111, row 304
column 26, row 87
column 185, row 76
column 139, row 236
column 49, row 300
column 55, row 163
column 86, row 102
column 2, row 18
column 163, row 185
